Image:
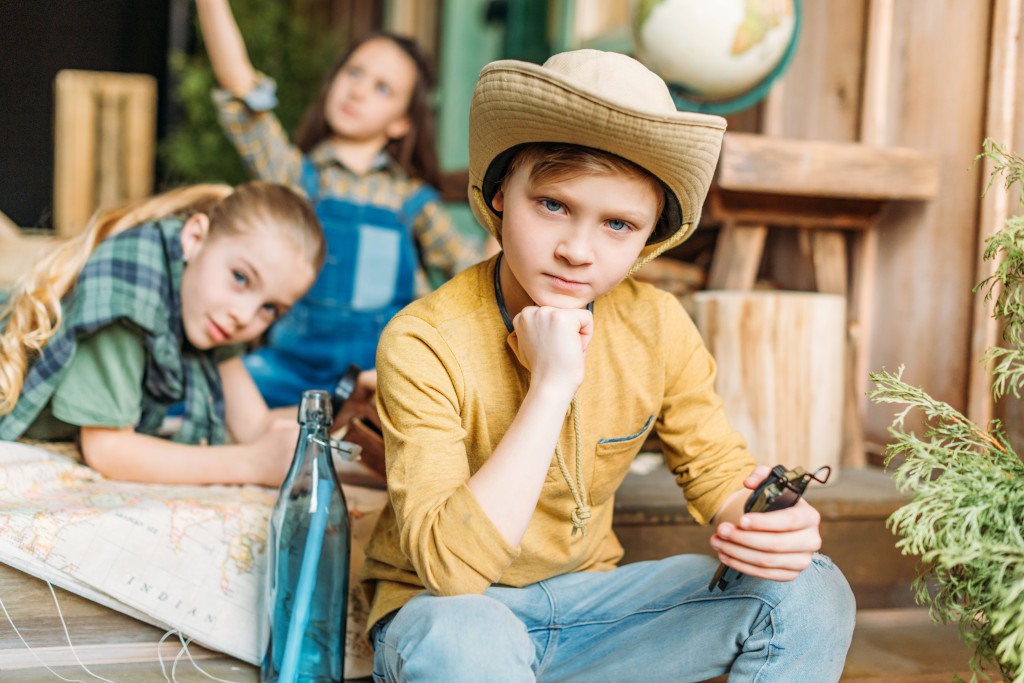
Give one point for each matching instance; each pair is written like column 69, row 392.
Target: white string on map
column 183, row 651
column 66, row 635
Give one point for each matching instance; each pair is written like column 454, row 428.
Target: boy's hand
column 552, row 343
column 775, row 545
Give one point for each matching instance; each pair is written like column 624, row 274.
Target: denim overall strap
column 368, row 275
column 310, row 181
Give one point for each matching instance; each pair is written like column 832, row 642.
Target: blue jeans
column 647, row 621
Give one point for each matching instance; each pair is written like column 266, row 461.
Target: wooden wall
column 909, row 73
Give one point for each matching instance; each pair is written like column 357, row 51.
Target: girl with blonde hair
column 147, row 308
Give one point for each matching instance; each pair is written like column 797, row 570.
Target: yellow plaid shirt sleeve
column 262, row 143
column 444, row 246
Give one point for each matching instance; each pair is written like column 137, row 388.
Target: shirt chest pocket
column 612, row 459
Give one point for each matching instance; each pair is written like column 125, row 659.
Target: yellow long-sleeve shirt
column 449, row 386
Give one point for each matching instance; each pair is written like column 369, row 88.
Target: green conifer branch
column 966, row 517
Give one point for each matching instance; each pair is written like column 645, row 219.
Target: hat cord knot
column 581, row 515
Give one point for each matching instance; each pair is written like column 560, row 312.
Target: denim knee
column 828, row 593
column 820, row 610
column 457, row 638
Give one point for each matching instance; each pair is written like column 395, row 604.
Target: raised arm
column 226, row 47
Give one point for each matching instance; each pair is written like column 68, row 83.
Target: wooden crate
column 104, row 142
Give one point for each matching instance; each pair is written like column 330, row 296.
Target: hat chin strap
column 485, row 211
column 661, row 248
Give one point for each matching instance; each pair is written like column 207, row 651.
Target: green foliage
column 288, row 40
column 966, row 519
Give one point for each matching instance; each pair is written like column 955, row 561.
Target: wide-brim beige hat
column 603, row 100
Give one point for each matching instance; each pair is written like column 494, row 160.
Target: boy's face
column 569, row 241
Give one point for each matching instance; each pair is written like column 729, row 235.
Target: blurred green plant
column 966, row 518
column 290, row 40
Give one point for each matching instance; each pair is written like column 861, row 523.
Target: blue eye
column 271, row 310
column 617, row 225
column 384, row 89
column 240, row 278
column 354, row 71
column 551, row 205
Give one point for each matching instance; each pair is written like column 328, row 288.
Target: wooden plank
column 926, row 261
column 737, row 256
column 782, row 211
column 773, row 113
column 874, row 131
column 828, row 254
column 104, row 143
column 755, row 163
column 416, row 19
column 74, row 151
column 139, row 139
column 110, row 150
column 9, row 230
column 18, row 255
column 101, row 638
column 105, row 653
column 1001, row 108
column 780, row 371
column 819, row 95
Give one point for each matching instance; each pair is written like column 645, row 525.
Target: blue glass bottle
column 307, row 583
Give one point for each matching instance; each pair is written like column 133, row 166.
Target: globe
column 716, row 55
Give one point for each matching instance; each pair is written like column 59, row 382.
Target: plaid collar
column 134, row 276
column 324, row 155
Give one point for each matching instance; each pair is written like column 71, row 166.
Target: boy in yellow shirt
column 514, row 398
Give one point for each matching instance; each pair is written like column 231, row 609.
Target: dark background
column 40, row 37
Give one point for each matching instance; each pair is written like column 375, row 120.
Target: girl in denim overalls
column 365, row 157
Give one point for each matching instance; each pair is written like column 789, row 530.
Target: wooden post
column 780, row 371
column 1001, row 109
column 874, row 131
column 104, row 142
column 738, row 256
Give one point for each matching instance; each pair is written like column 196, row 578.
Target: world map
column 187, row 558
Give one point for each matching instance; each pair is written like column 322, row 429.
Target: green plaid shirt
column 267, row 152
column 134, row 275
